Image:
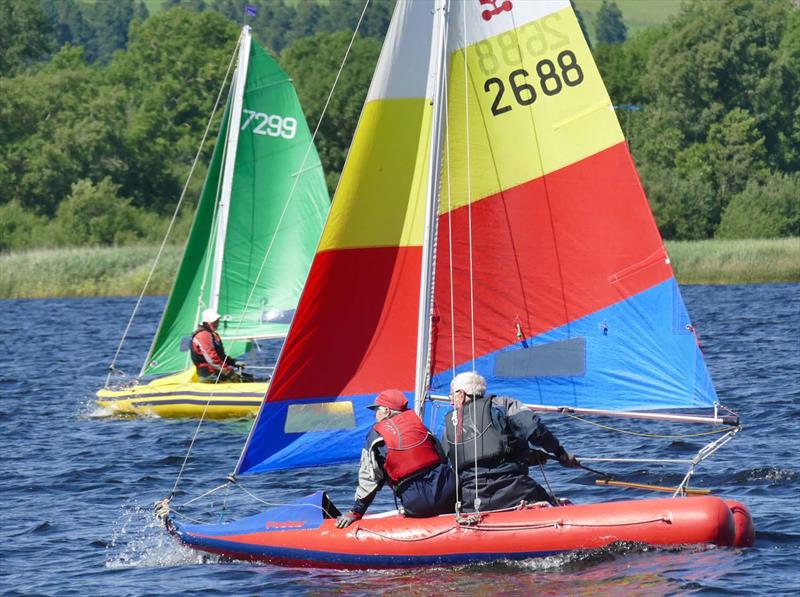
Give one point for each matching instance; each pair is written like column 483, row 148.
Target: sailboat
column 259, row 218
column 489, row 218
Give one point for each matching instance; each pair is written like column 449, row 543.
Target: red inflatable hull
column 394, row 541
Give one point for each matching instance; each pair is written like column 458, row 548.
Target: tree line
column 102, row 107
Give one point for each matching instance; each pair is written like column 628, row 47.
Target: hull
column 298, row 535
column 181, row 395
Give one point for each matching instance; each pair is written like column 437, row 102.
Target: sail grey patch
column 326, row 416
column 566, row 358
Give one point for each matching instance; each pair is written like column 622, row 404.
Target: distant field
column 122, row 271
column 637, row 14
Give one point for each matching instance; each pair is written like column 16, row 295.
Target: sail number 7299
column 272, row 125
column 552, row 80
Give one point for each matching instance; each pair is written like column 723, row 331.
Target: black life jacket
column 478, row 434
column 410, row 447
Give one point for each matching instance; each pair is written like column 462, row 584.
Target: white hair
column 469, row 382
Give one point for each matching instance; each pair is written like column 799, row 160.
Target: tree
column 322, row 54
column 768, row 209
column 609, row 25
column 25, row 35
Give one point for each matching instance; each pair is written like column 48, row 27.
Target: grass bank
column 120, row 271
column 736, row 261
column 86, row 271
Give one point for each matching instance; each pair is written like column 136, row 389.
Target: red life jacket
column 410, row 446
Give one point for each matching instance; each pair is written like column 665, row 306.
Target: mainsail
column 272, row 221
column 550, row 277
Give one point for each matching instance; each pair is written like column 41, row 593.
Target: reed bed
column 122, row 271
column 86, row 271
column 754, row 261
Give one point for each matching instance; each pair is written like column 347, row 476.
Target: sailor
column 208, row 354
column 401, row 451
column 488, row 441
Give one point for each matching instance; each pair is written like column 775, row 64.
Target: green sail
column 278, row 206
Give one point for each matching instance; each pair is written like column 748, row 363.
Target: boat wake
column 139, row 541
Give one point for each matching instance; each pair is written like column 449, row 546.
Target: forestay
column 550, row 276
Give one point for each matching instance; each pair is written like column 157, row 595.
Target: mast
column 230, row 162
column 438, row 68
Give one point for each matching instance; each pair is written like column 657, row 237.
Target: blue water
column 77, row 490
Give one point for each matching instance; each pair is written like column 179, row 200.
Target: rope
column 171, row 225
column 651, row 435
column 361, row 529
column 477, row 503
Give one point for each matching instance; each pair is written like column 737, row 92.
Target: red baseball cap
column 393, row 399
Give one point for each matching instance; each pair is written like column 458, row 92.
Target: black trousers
column 501, row 490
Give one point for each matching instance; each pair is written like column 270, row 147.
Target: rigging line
column 171, row 222
column 469, row 235
column 547, row 200
column 469, row 193
column 450, row 229
column 652, row 435
column 302, row 167
column 313, row 136
column 361, row 529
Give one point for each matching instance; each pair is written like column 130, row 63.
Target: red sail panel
column 545, row 253
column 372, row 295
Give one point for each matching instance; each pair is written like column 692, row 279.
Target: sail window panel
column 539, row 87
column 325, row 416
column 555, row 359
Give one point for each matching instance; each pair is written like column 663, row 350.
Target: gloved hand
column 345, row 520
column 567, row 460
column 537, row 457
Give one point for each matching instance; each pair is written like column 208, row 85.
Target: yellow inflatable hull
column 181, row 395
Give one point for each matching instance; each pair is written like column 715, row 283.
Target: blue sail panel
column 306, row 433
column 638, row 354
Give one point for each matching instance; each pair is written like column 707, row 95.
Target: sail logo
column 495, row 9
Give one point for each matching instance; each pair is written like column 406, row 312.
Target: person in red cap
column 400, row 451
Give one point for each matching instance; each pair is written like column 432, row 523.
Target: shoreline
column 123, row 271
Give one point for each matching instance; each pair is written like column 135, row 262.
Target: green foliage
column 24, row 35
column 769, row 209
column 94, row 214
column 20, row 228
column 609, row 26
column 322, row 55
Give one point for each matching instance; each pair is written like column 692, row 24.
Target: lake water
column 77, row 490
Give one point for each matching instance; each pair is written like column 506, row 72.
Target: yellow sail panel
column 538, row 84
column 380, row 201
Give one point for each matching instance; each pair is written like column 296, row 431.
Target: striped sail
column 570, row 299
column 550, row 276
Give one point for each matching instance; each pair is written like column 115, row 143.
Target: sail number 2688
column 552, row 80
column 272, row 125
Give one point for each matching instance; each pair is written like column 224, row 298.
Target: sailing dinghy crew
column 488, row 441
column 400, row 450
column 208, row 354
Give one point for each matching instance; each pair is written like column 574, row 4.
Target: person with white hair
column 489, row 441
column 400, row 450
column 208, row 354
